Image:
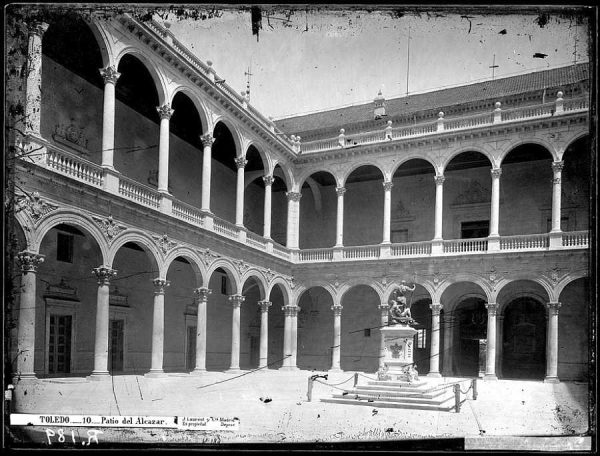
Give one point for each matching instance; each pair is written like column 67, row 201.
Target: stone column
column 387, row 211
column 434, row 360
column 490, row 361
column 495, row 213
column 240, row 162
column 384, row 309
column 337, row 339
column 552, row 343
column 557, row 168
column 293, row 223
column 268, row 180
column 103, row 274
column 33, row 94
column 202, row 300
column 264, row 333
column 449, row 321
column 499, row 344
column 289, row 346
column 439, row 205
column 110, row 75
column 339, row 232
column 207, row 142
column 158, row 327
column 294, row 339
column 165, row 112
column 236, row 302
column 28, row 262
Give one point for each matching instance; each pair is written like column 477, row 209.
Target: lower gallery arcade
column 80, row 317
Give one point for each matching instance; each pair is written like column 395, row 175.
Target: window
column 224, row 285
column 399, row 236
column 64, row 247
column 367, row 332
column 478, row 229
column 421, row 338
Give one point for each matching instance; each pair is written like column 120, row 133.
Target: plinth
column 398, row 352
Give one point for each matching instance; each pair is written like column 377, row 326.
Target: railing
column 315, row 255
column 575, row 239
column 414, row 130
column 465, row 245
column 468, row 122
column 189, row 213
column 576, row 104
column 527, row 112
column 281, row 251
column 73, row 166
column 255, row 240
column 319, row 145
column 370, row 251
column 364, row 138
column 411, row 249
column 225, row 228
column 138, row 192
column 525, row 242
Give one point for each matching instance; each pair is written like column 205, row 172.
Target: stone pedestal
column 398, row 353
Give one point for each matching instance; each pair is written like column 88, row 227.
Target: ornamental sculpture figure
column 400, row 306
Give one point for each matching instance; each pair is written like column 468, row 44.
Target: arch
column 386, row 295
column 347, row 286
column 283, row 287
column 305, row 176
column 258, row 278
column 191, row 256
column 307, row 286
column 288, row 177
column 266, row 161
column 460, row 278
column 528, row 277
column 141, row 238
column 463, row 150
column 521, row 142
column 412, row 156
column 71, row 217
column 505, row 295
column 235, row 134
column 230, row 270
column 157, row 76
column 567, row 280
column 103, row 40
column 356, row 166
column 25, row 224
column 572, row 140
column 205, row 118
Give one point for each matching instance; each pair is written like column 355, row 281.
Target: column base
column 99, row 376
column 434, row 375
column 551, row 380
column 234, row 370
column 288, row 368
column 198, row 372
column 24, row 378
column 155, row 374
column 490, row 377
column 336, row 370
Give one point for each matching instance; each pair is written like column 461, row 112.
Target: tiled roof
column 492, row 89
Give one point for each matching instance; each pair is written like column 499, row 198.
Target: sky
column 318, row 59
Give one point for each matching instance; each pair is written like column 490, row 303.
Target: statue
column 399, row 311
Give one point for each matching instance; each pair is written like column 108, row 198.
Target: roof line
column 428, row 90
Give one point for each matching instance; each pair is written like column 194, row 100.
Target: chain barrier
column 366, row 376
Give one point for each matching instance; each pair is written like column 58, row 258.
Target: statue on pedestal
column 399, row 312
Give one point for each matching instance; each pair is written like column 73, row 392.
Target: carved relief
column 72, row 136
column 164, row 243
column 474, row 193
column 207, row 256
column 109, row 227
column 34, row 205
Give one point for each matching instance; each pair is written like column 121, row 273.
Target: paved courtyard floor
column 502, row 408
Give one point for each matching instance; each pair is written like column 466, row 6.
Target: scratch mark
column 256, row 17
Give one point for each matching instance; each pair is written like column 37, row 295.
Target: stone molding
column 553, row 307
column 496, row 173
column 202, row 293
column 207, row 140
column 160, row 286
column 264, row 305
column 387, row 186
column 240, row 162
column 436, row 308
column 268, row 180
column 110, row 75
column 165, row 112
column 290, row 311
column 29, row 261
column 492, row 308
column 439, row 180
column 293, row 196
column 104, row 274
column 236, row 300
column 340, row 191
column 558, row 166
column 337, row 310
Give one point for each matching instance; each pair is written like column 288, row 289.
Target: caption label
column 170, row 422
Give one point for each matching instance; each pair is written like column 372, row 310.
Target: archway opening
column 276, row 328
column 421, row 313
column 318, row 208
column 315, row 329
column 470, row 337
column 576, row 185
column 279, row 206
column 361, row 321
column 574, row 328
column 223, row 179
column 250, row 324
column 254, row 192
column 524, row 339
column 363, row 206
column 219, row 314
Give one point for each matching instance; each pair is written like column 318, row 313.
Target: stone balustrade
column 75, row 167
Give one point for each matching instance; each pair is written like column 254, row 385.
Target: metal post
column 355, row 379
column 457, row 397
column 474, row 389
column 309, row 391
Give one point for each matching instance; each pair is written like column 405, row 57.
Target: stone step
column 422, row 389
column 398, row 383
column 401, row 400
column 399, row 405
column 396, row 393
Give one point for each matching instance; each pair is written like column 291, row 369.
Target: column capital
column 38, row 28
column 556, row 180
column 110, row 75
column 558, row 166
column 384, row 306
column 104, row 274
column 293, row 196
column 29, row 261
column 268, row 180
column 290, row 311
column 160, row 285
column 165, row 111
column 202, row 293
column 436, row 308
column 236, row 300
column 264, row 305
column 340, row 191
column 387, row 186
column 337, row 310
column 207, row 140
column 439, row 179
column 492, row 308
column 553, row 307
column 496, row 173
column 240, row 162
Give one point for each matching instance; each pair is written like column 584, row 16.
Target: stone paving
column 503, row 408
